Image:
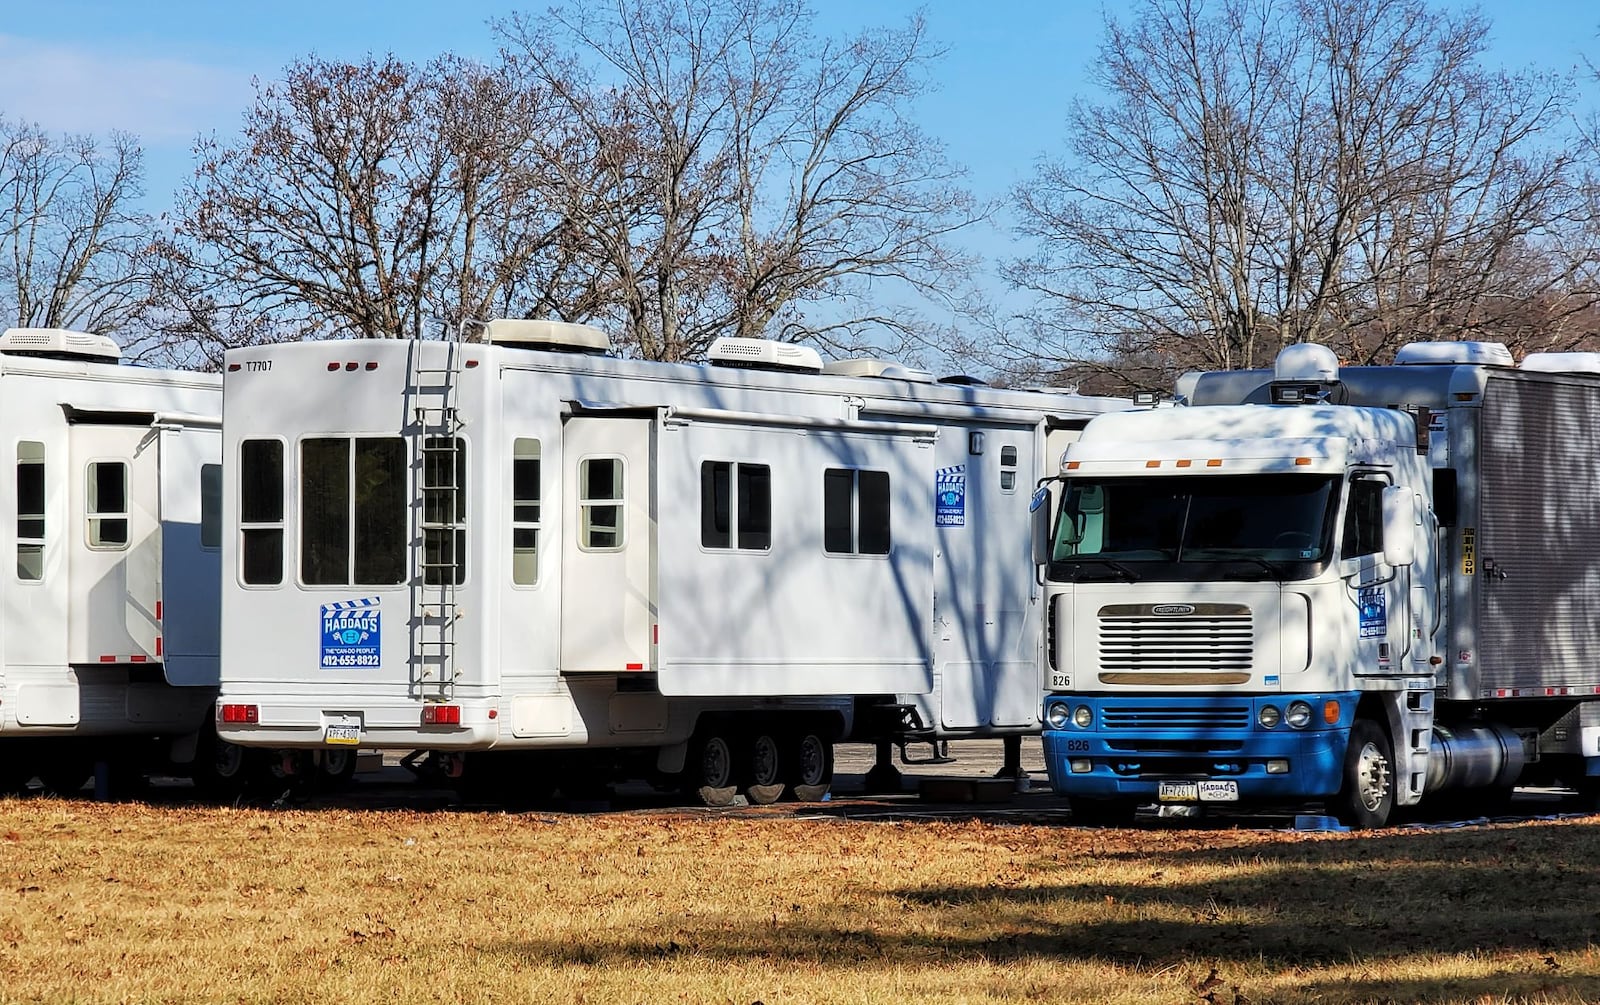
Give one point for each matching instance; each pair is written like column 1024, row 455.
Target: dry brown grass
column 134, row 903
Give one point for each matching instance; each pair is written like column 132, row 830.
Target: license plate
column 346, row 731
column 1197, row 792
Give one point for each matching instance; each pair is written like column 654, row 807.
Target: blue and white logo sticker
column 1374, row 612
column 950, row 496
column 351, row 635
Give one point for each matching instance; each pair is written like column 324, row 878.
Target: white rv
column 532, row 558
column 108, row 613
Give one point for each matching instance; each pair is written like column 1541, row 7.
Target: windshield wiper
column 1276, row 571
column 1117, row 567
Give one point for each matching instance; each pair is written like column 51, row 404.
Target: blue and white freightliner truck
column 1365, row 587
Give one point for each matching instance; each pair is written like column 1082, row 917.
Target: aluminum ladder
column 436, row 522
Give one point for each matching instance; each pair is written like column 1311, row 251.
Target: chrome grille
column 1122, row 716
column 1207, row 638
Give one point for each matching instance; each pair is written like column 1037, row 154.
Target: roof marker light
column 332, row 367
column 232, row 367
column 1152, row 464
column 372, row 364
column 1185, row 463
column 471, row 363
column 1215, row 462
column 352, row 365
column 1073, row 465
column 1302, row 461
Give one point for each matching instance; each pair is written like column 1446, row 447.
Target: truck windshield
column 1272, row 524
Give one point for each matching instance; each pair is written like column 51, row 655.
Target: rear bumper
column 397, row 726
column 1131, row 762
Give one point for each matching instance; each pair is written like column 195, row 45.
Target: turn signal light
column 1330, row 712
column 241, row 713
column 441, row 715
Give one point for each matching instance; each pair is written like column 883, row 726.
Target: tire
column 709, row 772
column 221, row 770
column 335, row 768
column 65, row 775
column 1103, row 812
column 1366, row 796
column 764, row 783
column 808, row 768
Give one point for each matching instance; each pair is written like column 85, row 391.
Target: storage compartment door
column 608, row 609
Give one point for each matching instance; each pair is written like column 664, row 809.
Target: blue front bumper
column 1134, row 743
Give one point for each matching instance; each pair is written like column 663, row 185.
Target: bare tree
column 761, row 180
column 1264, row 172
column 377, row 200
column 75, row 251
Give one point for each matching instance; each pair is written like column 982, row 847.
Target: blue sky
column 170, row 69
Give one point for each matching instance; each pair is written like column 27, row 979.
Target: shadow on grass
column 1523, row 896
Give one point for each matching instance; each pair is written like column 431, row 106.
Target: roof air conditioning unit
column 764, row 354
column 1562, row 362
column 880, row 368
column 59, row 343
column 556, row 336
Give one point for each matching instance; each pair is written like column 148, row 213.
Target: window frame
column 92, row 515
column 1381, row 480
column 735, row 502
column 856, row 514
column 42, row 540
column 263, row 528
column 586, row 503
column 353, row 523
column 536, row 525
column 1009, row 469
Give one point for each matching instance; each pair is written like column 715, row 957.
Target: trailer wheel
column 67, row 777
column 708, row 774
column 765, row 770
column 1366, row 799
column 336, row 768
column 809, row 771
column 220, row 769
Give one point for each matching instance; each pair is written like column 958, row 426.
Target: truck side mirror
column 1039, row 522
column 1399, row 526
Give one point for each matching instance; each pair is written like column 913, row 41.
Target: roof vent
column 963, row 380
column 1482, row 353
column 558, row 336
column 1562, row 362
column 59, row 343
column 876, row 368
column 764, row 354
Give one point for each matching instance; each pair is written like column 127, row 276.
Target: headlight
column 1299, row 715
column 1082, row 716
column 1057, row 716
column 1269, row 716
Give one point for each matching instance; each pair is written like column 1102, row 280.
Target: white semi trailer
column 1370, row 586
column 548, row 566
column 109, row 606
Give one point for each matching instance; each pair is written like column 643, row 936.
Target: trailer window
column 261, row 512
column 600, row 503
column 210, row 505
column 30, row 510
column 1363, row 519
column 855, row 512
column 444, row 510
column 353, row 511
column 735, row 505
column 525, row 516
column 107, row 487
column 1008, row 469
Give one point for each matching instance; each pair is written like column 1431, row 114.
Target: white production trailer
column 109, row 618
column 549, row 566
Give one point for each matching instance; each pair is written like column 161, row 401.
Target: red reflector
column 332, row 367
column 471, row 363
column 241, row 713
column 232, row 367
column 441, row 715
column 108, row 659
column 351, row 365
column 158, row 645
column 372, row 364
column 158, row 610
column 635, row 666
column 139, row 658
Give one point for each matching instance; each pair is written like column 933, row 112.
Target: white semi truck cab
column 1364, row 586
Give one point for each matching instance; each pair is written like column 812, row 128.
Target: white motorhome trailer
column 525, row 547
column 108, row 619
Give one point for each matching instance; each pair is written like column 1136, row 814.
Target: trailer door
column 608, row 609
column 114, row 543
column 191, row 553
